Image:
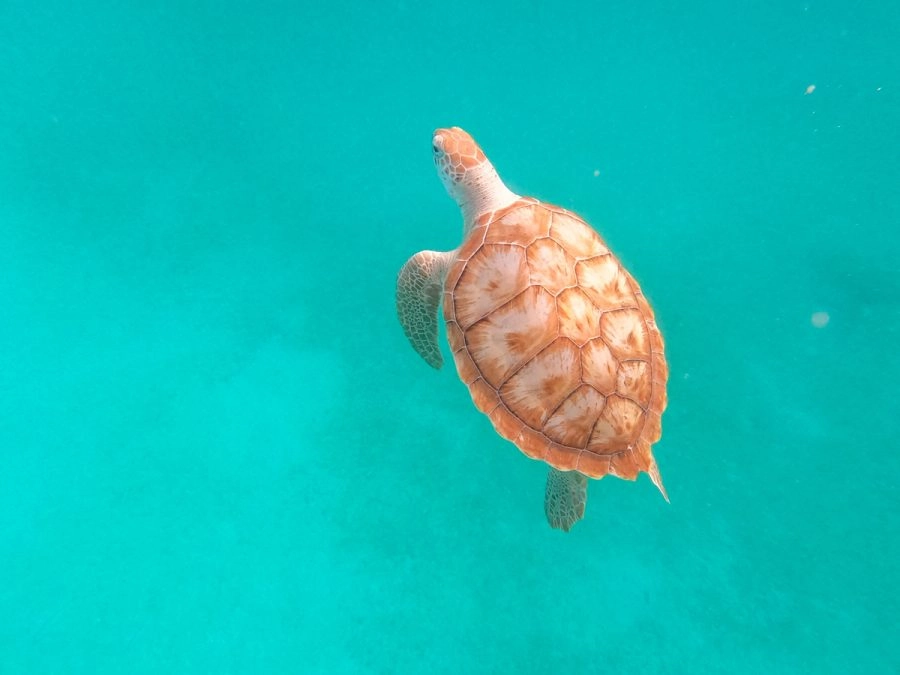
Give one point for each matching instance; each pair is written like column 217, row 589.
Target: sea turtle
column 553, row 337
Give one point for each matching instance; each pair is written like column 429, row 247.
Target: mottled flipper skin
column 419, row 287
column 565, row 498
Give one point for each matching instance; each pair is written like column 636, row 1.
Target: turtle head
column 455, row 155
column 467, row 173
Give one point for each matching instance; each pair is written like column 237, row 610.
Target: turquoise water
column 218, row 454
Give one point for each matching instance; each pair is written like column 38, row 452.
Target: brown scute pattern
column 625, row 333
column 514, row 223
column 484, row 395
column 455, row 336
column 508, row 337
column 550, row 266
column 599, row 366
column 493, row 276
column 465, row 366
column 473, row 242
column 617, row 425
column 556, row 342
column 581, row 242
column 625, row 464
column 572, row 423
column 634, row 382
column 543, row 383
column 593, row 465
column 579, row 318
column 470, row 246
column 557, row 455
column 506, row 425
column 605, row 282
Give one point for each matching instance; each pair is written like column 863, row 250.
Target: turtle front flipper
column 565, row 498
column 419, row 288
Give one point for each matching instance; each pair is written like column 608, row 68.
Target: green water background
column 218, row 454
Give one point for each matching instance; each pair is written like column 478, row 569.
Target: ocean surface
column 218, row 453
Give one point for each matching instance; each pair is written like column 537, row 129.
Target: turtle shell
column 556, row 342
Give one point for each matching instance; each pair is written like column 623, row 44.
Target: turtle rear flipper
column 565, row 498
column 419, row 288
